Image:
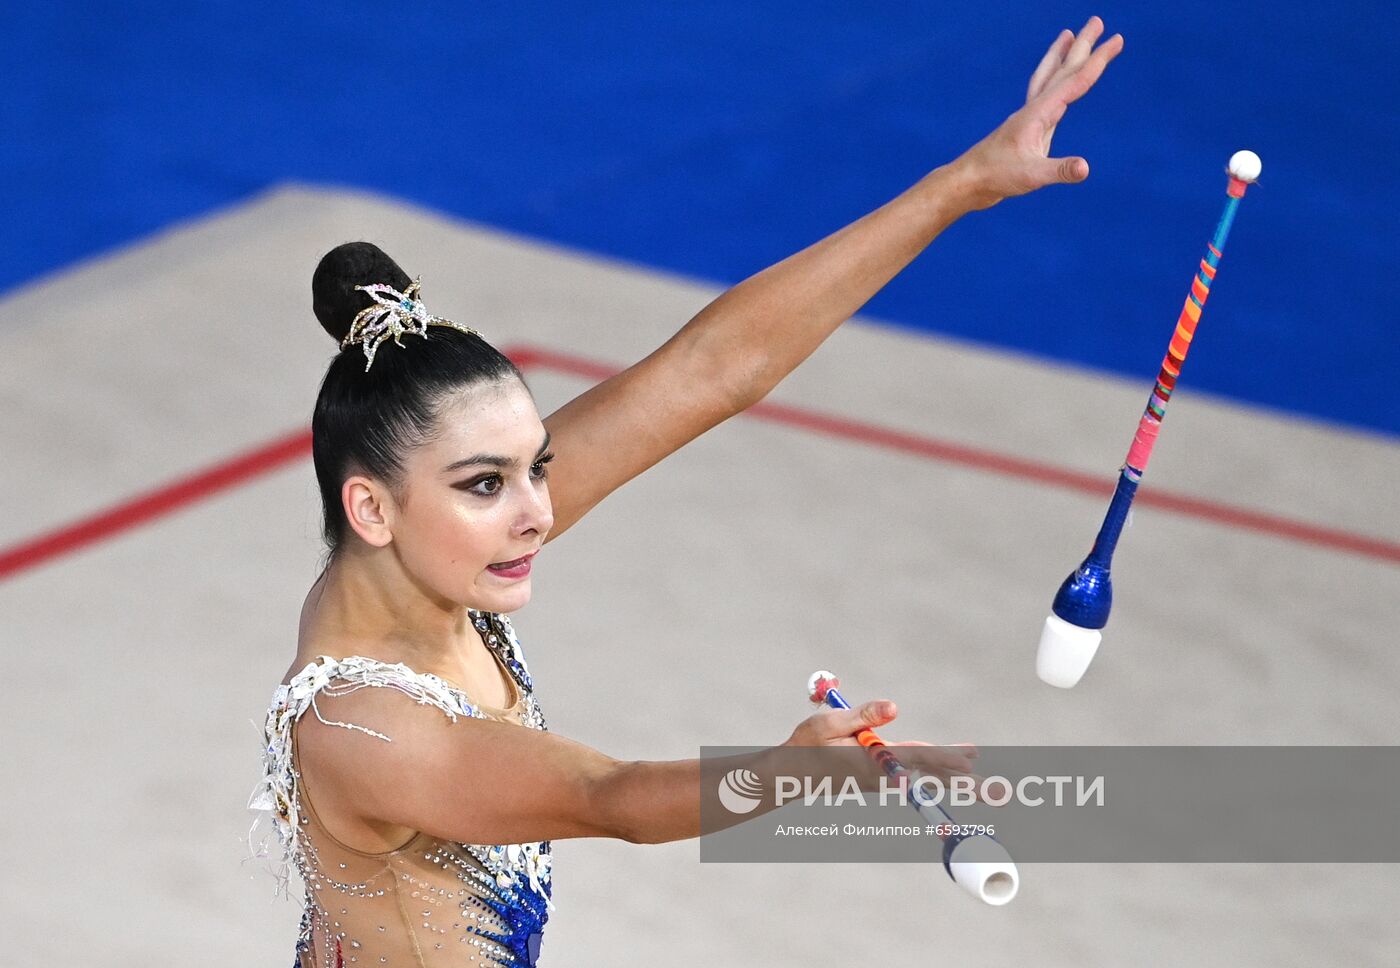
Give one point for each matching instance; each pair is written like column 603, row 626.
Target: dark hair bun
column 334, row 297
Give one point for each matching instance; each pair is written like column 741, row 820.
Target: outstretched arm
column 739, row 347
column 480, row 782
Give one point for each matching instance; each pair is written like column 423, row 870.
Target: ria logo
column 740, row 791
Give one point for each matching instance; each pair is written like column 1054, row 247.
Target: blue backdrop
column 715, row 138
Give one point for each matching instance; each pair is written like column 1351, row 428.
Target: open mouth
column 509, row 565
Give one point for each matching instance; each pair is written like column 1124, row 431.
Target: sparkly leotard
column 430, row 903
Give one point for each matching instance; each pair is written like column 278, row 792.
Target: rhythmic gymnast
column 418, row 800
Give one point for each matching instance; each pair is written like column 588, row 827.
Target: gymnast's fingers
column 1073, row 87
column 940, row 761
column 848, row 722
column 1083, row 44
column 837, row 727
column 834, row 727
column 1049, row 64
column 994, row 793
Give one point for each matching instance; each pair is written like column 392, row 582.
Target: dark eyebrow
column 493, row 459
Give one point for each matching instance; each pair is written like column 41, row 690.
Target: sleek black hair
column 366, row 422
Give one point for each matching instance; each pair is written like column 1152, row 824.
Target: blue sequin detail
column 526, row 911
column 520, row 674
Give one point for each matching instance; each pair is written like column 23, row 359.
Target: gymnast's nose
column 536, row 513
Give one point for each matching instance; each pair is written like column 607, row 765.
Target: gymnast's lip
column 516, row 568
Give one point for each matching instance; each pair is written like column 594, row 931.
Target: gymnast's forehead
column 497, row 419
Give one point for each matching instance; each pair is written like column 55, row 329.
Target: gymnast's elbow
column 641, row 803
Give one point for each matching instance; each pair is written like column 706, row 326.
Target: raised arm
column 739, row 347
column 481, row 782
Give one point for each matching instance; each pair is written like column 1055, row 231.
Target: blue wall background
column 716, row 138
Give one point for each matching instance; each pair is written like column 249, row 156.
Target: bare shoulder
column 362, row 737
column 362, row 747
column 388, row 762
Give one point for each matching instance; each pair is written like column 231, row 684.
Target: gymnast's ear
column 369, row 509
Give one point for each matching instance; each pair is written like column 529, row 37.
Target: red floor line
column 295, row 446
column 1102, row 486
column 154, row 504
column 1036, row 471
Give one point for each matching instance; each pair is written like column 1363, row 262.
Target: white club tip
column 1245, row 165
column 1065, row 652
column 817, row 681
column 983, row 868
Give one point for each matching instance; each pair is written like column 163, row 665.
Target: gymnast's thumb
column 836, row 726
column 1066, row 170
column 874, row 713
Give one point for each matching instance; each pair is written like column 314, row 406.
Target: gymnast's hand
column 1015, row 158
column 838, row 727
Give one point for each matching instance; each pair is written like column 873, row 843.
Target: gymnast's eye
column 488, row 486
column 538, row 470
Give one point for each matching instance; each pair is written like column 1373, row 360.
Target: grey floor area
column 687, row 609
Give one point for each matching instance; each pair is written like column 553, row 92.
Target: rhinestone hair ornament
column 393, row 314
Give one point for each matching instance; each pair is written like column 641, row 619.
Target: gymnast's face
column 476, row 496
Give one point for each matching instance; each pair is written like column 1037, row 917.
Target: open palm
column 1015, row 158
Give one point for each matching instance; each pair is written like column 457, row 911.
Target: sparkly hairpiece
column 393, row 314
